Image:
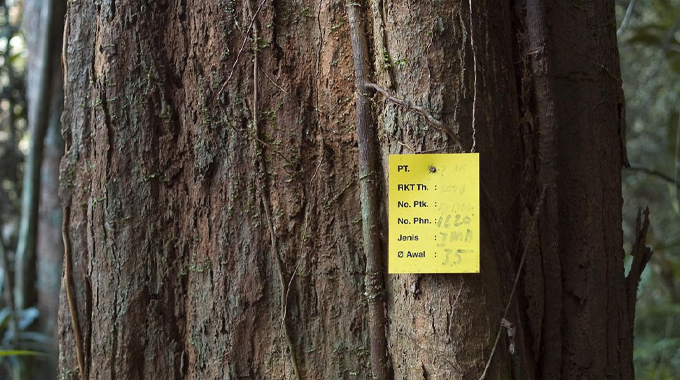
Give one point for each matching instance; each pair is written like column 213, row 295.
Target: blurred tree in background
column 31, row 102
column 12, row 121
column 649, row 45
column 13, row 150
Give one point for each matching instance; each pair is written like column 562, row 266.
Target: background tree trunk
column 44, row 64
column 212, row 178
column 50, row 248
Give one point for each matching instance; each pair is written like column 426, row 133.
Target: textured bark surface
column 175, row 271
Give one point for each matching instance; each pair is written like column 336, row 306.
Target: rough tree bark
column 213, row 182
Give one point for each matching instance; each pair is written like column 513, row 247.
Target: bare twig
column 537, row 213
column 273, row 82
column 406, row 146
column 417, row 109
column 374, row 282
column 243, row 45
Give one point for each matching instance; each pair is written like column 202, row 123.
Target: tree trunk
column 46, row 48
column 213, row 187
column 44, row 54
column 50, row 249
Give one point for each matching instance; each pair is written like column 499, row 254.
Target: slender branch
column 243, row 45
column 70, row 292
column 551, row 350
column 537, row 213
column 626, row 18
column 273, row 82
column 417, row 109
column 368, row 178
column 653, row 172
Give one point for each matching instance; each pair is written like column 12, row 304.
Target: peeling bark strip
column 551, row 351
column 374, row 282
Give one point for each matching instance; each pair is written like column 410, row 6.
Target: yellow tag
column 434, row 213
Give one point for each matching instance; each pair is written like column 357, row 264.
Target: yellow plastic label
column 434, row 213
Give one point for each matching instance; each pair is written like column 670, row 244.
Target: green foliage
column 12, row 115
column 16, row 338
column 649, row 46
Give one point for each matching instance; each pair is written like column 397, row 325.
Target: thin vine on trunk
column 374, row 282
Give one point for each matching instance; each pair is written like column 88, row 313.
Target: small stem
column 373, row 282
column 243, row 45
column 417, row 109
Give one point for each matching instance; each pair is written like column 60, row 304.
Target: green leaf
column 26, row 317
column 4, row 353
